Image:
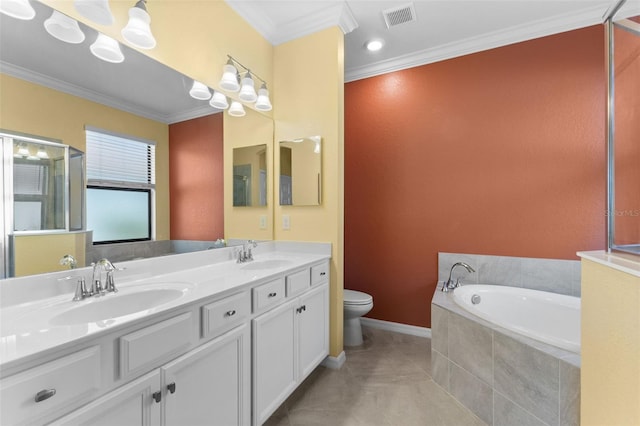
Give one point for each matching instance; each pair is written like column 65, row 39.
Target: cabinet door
column 130, row 405
column 211, row 384
column 313, row 329
column 274, row 359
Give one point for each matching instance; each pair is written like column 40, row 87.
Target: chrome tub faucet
column 449, row 284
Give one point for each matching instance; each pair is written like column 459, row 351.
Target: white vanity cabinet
column 289, row 341
column 223, row 360
column 208, row 385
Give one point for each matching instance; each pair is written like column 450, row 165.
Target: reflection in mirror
column 624, row 133
column 250, row 176
column 39, row 195
column 301, row 172
column 139, row 86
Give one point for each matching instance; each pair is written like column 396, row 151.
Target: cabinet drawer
column 223, row 314
column 64, row 383
column 268, row 294
column 298, row 282
column 142, row 349
column 319, row 273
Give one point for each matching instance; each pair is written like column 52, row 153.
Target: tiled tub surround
column 553, row 275
column 503, row 377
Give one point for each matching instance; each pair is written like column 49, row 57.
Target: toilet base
column 352, row 332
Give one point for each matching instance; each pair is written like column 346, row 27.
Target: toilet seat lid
column 353, row 297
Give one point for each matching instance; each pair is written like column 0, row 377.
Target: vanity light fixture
column 19, row 9
column 374, row 45
column 263, row 103
column 247, row 93
column 247, row 89
column 64, row 28
column 236, row 109
column 219, row 101
column 229, row 79
column 107, row 49
column 23, row 150
column 96, row 10
column 138, row 29
column 42, row 153
column 200, row 91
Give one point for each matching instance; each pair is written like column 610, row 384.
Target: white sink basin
column 267, row 264
column 126, row 302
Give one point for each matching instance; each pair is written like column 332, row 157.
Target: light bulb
column 218, row 100
column 138, row 29
column 64, row 28
column 236, row 109
column 200, row 91
column 107, row 49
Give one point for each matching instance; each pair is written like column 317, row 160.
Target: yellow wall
column 36, row 110
column 48, row 255
column 308, row 95
column 610, row 371
column 244, row 222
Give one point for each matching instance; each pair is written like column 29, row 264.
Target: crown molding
column 71, row 89
column 515, row 34
column 333, row 14
column 88, row 94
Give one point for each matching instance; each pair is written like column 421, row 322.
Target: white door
column 313, row 330
column 134, row 404
column 211, row 384
column 274, row 359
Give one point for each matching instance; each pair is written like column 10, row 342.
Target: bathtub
column 547, row 317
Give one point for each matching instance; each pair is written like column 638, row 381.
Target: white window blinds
column 120, row 161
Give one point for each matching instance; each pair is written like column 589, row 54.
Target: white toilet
column 356, row 304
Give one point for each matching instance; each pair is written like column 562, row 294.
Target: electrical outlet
column 286, row 222
column 263, row 221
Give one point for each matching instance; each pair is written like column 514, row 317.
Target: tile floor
column 385, row 382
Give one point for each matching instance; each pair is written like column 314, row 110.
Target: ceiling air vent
column 399, row 15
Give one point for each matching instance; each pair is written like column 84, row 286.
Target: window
column 120, row 189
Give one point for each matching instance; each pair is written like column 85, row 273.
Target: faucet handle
column 110, row 285
column 81, row 290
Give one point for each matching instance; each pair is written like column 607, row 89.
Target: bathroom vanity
column 196, row 340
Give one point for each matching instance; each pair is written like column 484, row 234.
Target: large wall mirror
column 301, row 172
column 623, row 212
column 250, row 176
column 139, row 86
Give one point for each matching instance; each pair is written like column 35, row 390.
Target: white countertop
column 621, row 261
column 26, row 327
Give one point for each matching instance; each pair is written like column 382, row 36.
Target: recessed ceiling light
column 374, row 45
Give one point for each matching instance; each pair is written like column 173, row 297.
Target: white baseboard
column 335, row 363
column 413, row 330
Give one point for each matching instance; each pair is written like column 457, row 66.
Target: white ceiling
column 443, row 29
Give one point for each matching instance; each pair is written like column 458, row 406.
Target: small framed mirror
column 301, row 172
column 250, row 176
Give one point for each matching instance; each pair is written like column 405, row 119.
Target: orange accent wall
column 196, row 179
column 500, row 152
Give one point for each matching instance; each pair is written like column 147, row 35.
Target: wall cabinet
column 288, row 343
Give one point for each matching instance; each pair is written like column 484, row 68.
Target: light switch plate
column 263, row 221
column 286, row 222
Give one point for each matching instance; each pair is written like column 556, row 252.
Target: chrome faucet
column 449, row 285
column 97, row 289
column 244, row 254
